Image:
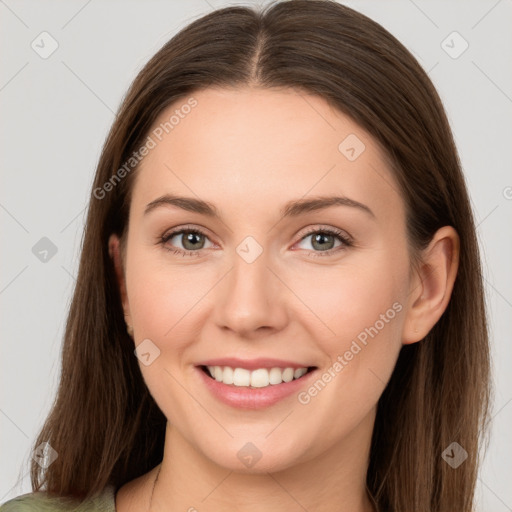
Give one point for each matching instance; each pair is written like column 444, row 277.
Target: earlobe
column 431, row 291
column 115, row 254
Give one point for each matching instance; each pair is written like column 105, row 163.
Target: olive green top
column 39, row 501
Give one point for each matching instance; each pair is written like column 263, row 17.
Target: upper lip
column 253, row 364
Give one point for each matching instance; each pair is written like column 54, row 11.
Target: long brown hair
column 104, row 424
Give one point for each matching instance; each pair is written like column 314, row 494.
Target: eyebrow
column 291, row 209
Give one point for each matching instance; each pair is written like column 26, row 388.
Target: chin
column 254, row 457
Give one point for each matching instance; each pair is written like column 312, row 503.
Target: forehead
column 254, row 144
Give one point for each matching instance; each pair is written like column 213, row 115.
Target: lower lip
column 244, row 397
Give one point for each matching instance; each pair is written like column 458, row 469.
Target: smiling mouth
column 255, row 379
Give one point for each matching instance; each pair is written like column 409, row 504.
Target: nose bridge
column 252, row 296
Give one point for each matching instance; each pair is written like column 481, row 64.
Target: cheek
column 165, row 302
column 342, row 301
column 357, row 322
column 164, row 299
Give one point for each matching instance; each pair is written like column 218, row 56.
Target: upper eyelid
column 179, row 230
column 332, row 229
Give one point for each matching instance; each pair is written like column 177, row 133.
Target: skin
column 249, row 151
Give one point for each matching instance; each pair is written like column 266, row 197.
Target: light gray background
column 56, row 113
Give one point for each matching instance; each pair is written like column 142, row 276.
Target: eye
column 324, row 239
column 191, row 239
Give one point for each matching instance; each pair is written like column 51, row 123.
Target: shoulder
column 41, row 502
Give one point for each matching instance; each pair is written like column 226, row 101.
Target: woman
column 258, row 370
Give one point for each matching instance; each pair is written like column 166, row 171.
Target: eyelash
column 345, row 240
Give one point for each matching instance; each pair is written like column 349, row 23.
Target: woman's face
column 265, row 278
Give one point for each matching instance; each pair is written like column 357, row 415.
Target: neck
column 334, row 481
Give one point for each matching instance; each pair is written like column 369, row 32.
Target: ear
column 114, row 250
column 432, row 285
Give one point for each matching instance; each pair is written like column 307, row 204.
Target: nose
column 251, row 299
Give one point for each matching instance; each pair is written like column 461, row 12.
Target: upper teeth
column 259, row 378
